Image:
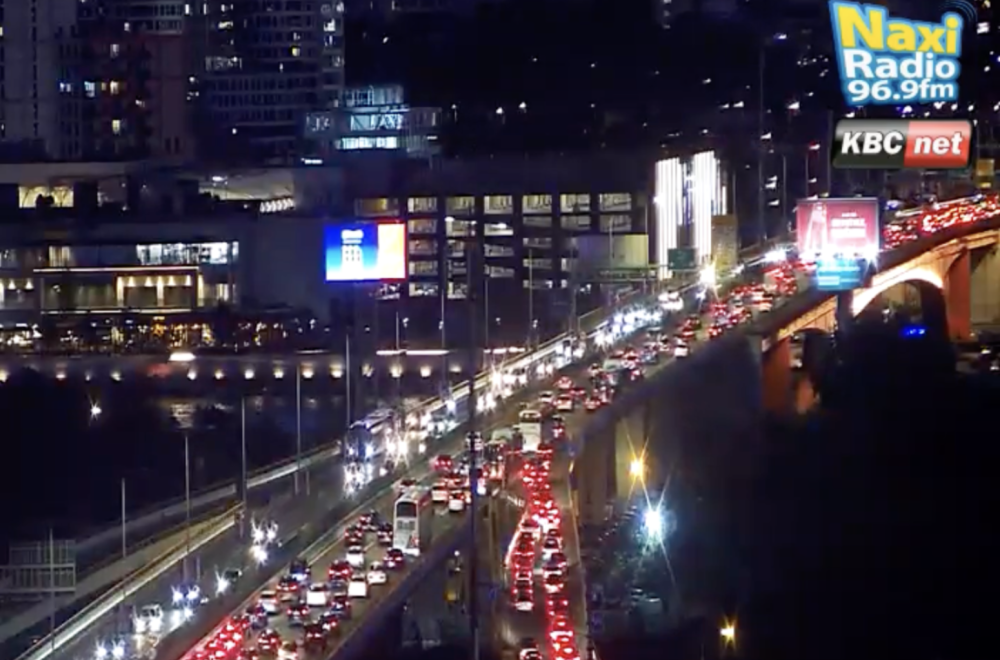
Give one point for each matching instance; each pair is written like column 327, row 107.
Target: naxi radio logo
column 886, row 60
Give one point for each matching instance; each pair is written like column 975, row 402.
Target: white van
column 318, row 595
column 358, row 586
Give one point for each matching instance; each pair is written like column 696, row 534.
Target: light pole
column 243, row 461
column 531, row 297
column 298, row 429
column 187, row 506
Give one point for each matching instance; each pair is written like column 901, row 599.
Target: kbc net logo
column 885, row 60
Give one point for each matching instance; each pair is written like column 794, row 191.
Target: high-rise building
column 266, row 65
column 33, row 57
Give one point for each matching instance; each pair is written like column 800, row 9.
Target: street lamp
column 728, row 633
column 707, row 276
column 637, row 468
column 652, row 525
column 95, row 411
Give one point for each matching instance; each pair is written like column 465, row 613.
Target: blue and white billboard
column 365, row 252
column 840, row 273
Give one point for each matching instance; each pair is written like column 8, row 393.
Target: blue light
column 914, row 331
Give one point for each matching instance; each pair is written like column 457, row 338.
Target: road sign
column 682, row 259
column 632, row 274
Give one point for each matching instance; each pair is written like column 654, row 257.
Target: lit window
column 90, row 89
column 116, row 126
column 115, row 87
column 115, row 50
column 296, row 51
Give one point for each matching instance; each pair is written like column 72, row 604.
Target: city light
column 637, row 469
column 728, row 633
column 652, row 525
column 775, row 256
column 707, row 277
column 707, row 199
column 95, row 411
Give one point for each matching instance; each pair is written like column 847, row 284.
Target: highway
column 271, row 502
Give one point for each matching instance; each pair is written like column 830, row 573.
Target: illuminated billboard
column 840, row 273
column 365, row 251
column 837, row 227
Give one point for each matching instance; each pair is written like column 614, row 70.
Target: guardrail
column 129, row 585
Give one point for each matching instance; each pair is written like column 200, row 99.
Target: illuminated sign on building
column 688, row 193
column 669, row 210
column 378, row 121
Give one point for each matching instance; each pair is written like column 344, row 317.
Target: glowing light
column 116, row 376
column 728, row 633
column 279, row 373
column 425, row 371
column 182, row 356
column 775, row 256
column 248, row 374
column 881, row 284
column 192, row 375
column 652, row 524
column 95, row 411
column 308, row 373
column 637, row 468
column 219, row 374
column 708, row 276
column 669, row 201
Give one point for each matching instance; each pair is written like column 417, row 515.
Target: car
column 358, row 586
column 565, row 404
column 592, row 403
column 681, row 349
column 456, row 501
column 439, row 492
column 567, row 652
column 556, row 605
column 288, row 651
column 529, row 526
column 299, row 570
column 560, row 631
column 356, row 556
column 339, row 569
column 554, row 584
column 564, row 383
column 545, row 399
column 268, row 641
column 551, row 568
column 338, row 586
column 330, row 621
column 268, row 601
column 443, row 463
column 315, row 634
column 384, row 535
column 341, row 607
column 370, row 521
column 377, row 574
column 288, row 588
column 716, row 331
column 298, row 614
column 559, row 558
column 528, row 650
column 148, row 620
column 523, row 601
column 394, row 559
column 318, row 595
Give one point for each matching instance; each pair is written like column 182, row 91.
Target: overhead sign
column 840, row 274
column 365, row 252
column 845, row 227
column 682, row 259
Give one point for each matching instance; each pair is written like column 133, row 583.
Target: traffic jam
column 536, row 561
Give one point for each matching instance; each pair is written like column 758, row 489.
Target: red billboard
column 843, row 227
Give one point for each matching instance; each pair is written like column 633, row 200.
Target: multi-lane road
column 273, row 502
